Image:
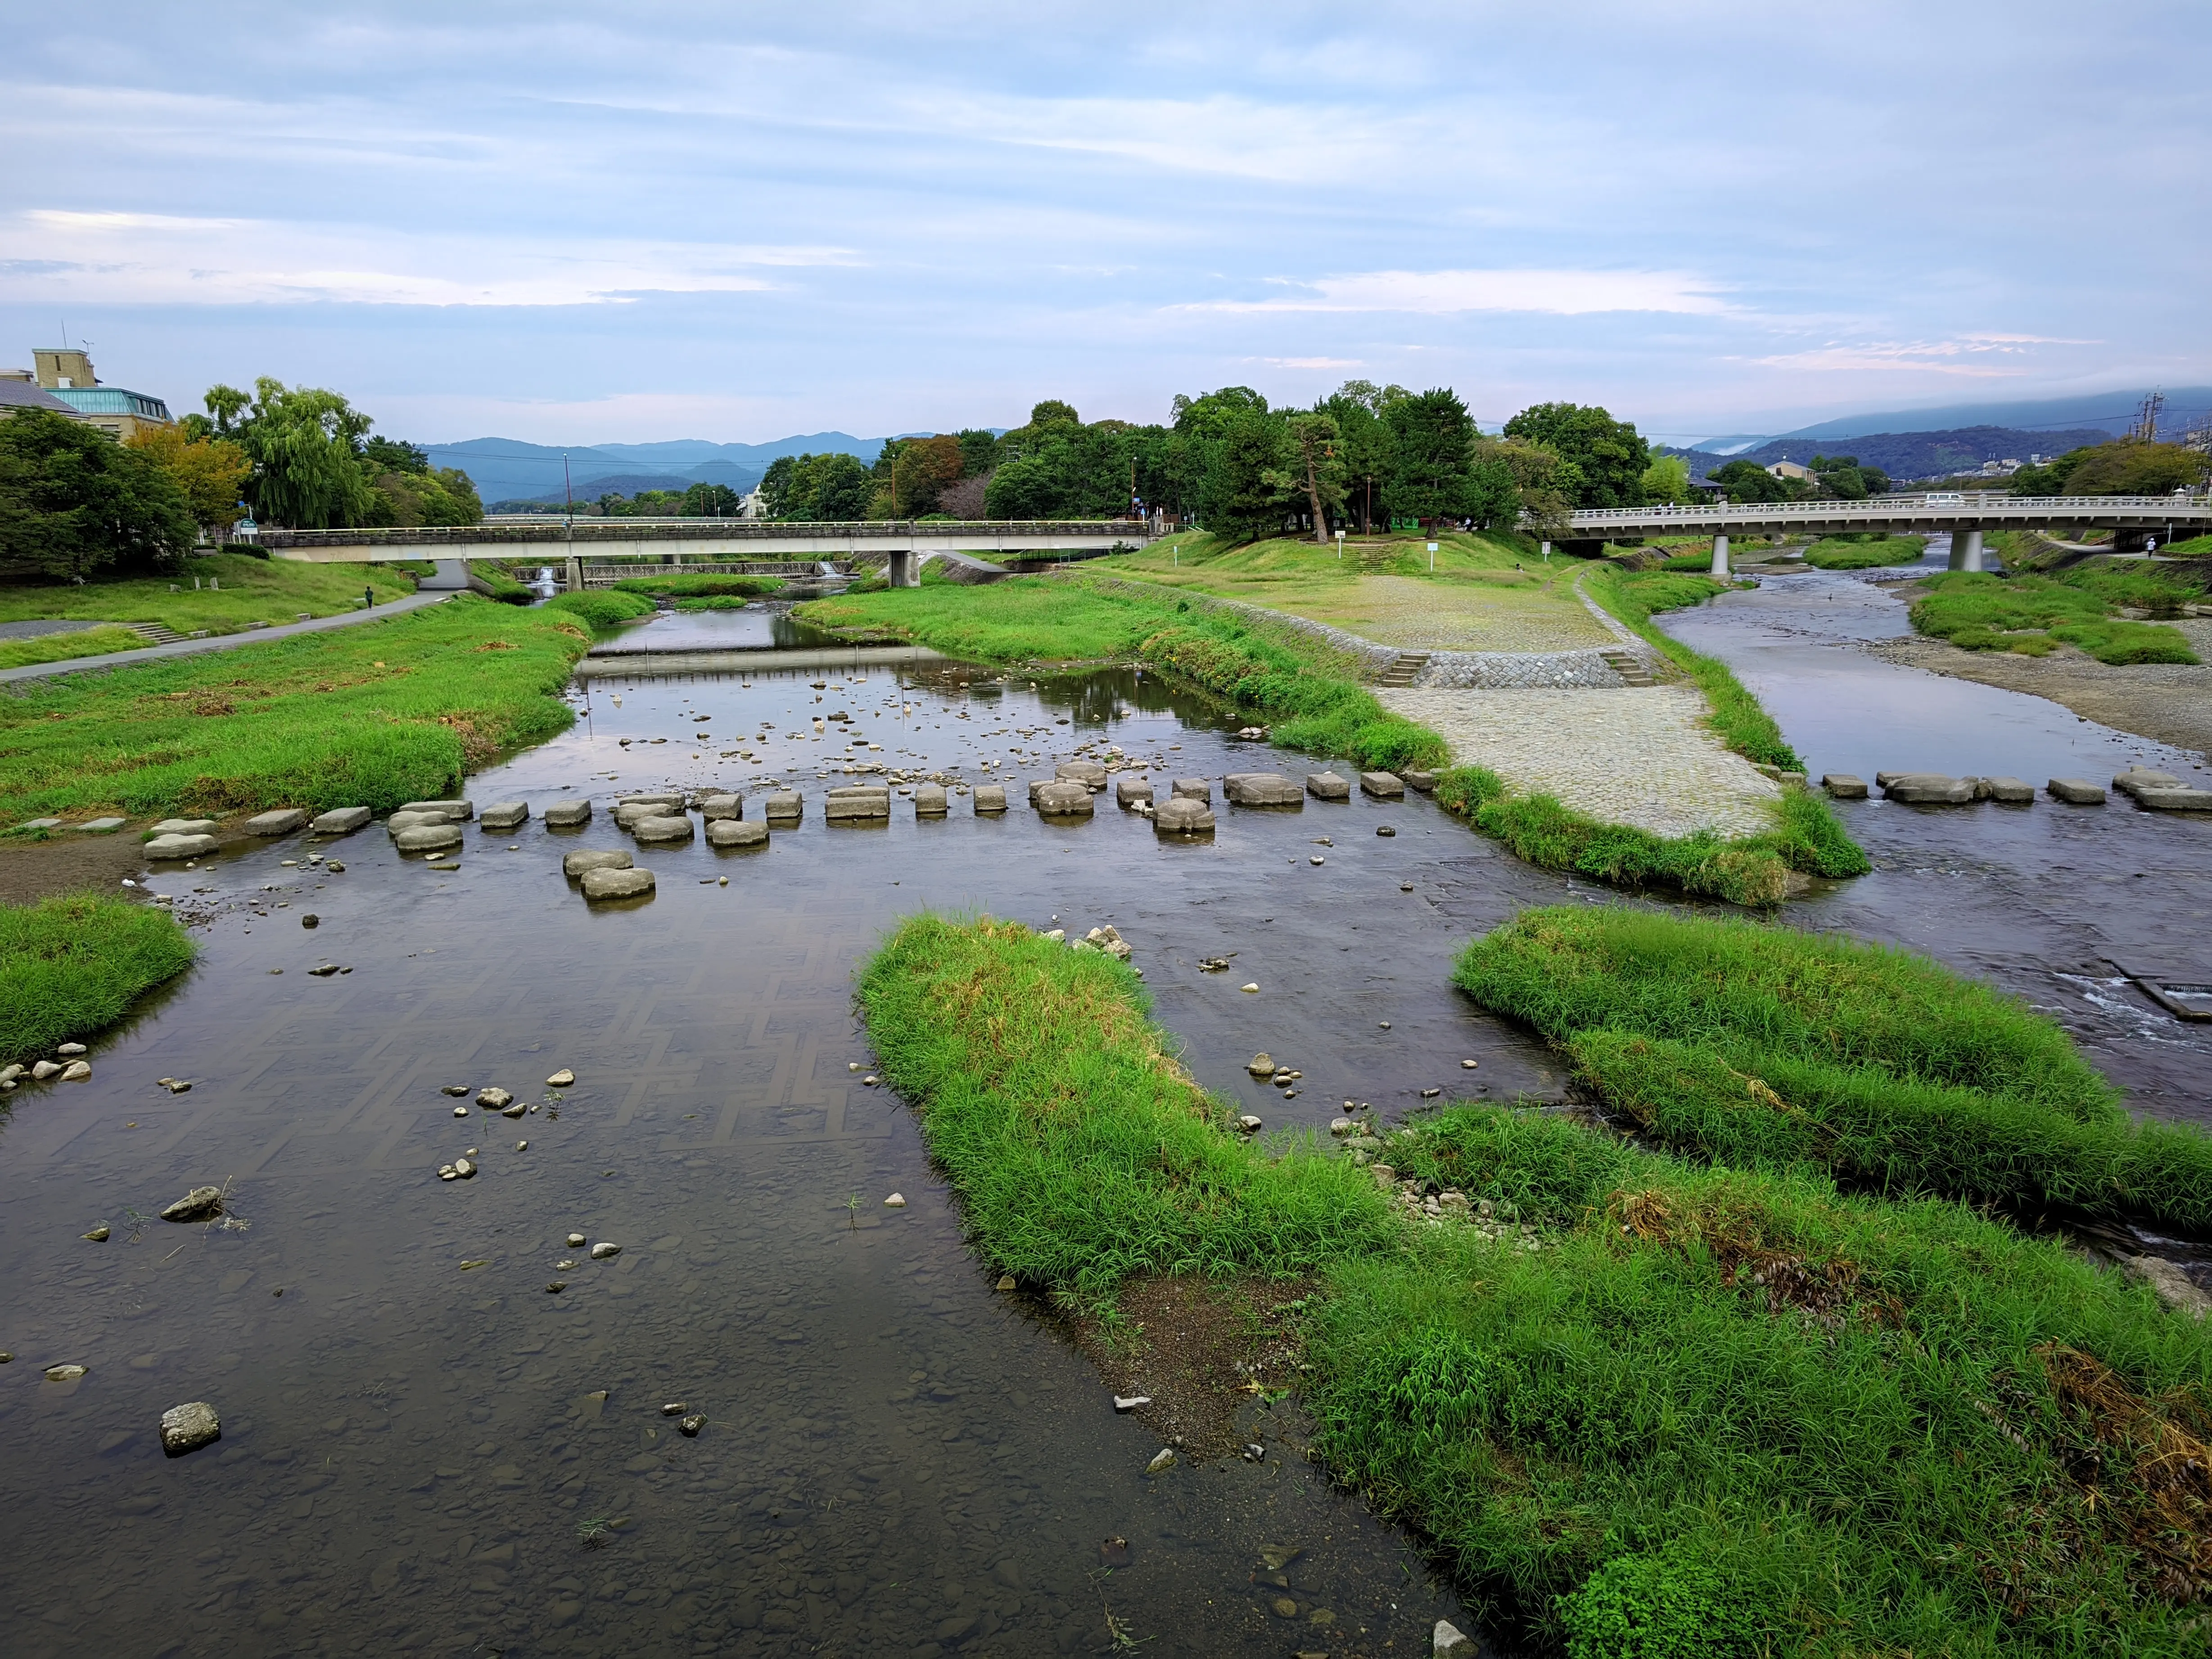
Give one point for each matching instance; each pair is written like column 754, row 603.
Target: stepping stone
column 664, row 798
column 282, row 821
column 582, row 863
column 1089, row 774
column 2076, row 791
column 40, row 824
column 1383, row 786
column 990, row 797
column 1844, row 785
column 1131, row 792
column 1327, row 786
column 617, row 883
column 662, row 829
column 1425, row 782
column 1262, row 789
column 736, row 832
column 340, row 820
column 463, row 810
column 184, row 827
column 844, row 805
column 1059, row 800
column 785, row 806
column 2135, row 780
column 1926, row 788
column 2175, row 800
column 404, row 819
column 2012, row 791
column 101, row 826
column 1181, row 816
column 929, row 800
column 722, row 806
column 1192, row 789
column 505, row 815
column 630, row 814
column 567, row 814
column 428, row 837
column 181, row 847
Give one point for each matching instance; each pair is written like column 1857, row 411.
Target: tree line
column 1363, row 457
column 75, row 504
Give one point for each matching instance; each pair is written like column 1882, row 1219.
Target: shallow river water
column 897, row 1458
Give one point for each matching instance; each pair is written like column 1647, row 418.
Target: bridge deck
column 685, row 539
column 1931, row 512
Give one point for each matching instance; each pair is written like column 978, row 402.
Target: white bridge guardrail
column 1984, row 502
column 539, row 531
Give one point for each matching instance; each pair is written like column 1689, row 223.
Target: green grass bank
column 252, row 590
column 64, row 647
column 1865, row 553
column 388, row 711
column 2032, row 614
column 71, row 967
column 1305, row 691
column 1694, row 1411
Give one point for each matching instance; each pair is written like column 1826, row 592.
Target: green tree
column 832, row 488
column 75, row 504
column 1314, row 480
column 1667, row 480
column 1363, row 441
column 307, row 446
column 711, row 500
column 1543, row 485
column 1748, row 481
column 918, row 470
column 1607, row 454
column 979, row 451
column 1237, row 501
column 1430, row 472
column 2131, row 466
column 210, row 471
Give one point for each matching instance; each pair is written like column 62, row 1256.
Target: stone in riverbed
column 1089, row 774
column 1262, row 789
column 505, row 815
column 44, row 1069
column 493, row 1099
column 785, row 806
column 1425, row 782
column 929, row 800
column 282, row 822
column 2137, row 778
column 716, row 808
column 990, row 797
column 630, row 814
column 567, row 814
column 1191, row 789
column 2076, row 791
column 1262, row 1065
column 1383, row 786
column 1844, row 785
column 1327, row 786
column 617, row 883
column 1182, row 816
column 560, row 1079
column 844, row 805
column 460, row 809
column 736, row 832
column 604, row 1251
column 76, row 1071
column 1447, row 1641
column 662, row 829
column 340, row 820
column 2012, row 791
column 399, row 821
column 181, row 847
column 197, row 1205
column 1059, row 800
column 188, row 1427
column 1926, row 788
column 642, row 798
column 184, row 827
column 1131, row 792
column 428, row 837
column 2174, row 800
column 580, row 864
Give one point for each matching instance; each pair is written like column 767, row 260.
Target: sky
column 736, row 222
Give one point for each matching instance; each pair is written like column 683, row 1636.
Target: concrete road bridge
column 905, row 544
column 2137, row 521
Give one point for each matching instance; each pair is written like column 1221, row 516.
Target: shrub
column 604, row 608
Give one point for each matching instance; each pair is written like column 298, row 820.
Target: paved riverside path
column 40, row 670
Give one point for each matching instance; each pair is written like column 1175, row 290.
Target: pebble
column 99, row 1235
column 1384, row 829
column 672, row 1408
column 575, row 1241
column 555, row 1287
column 521, row 1146
column 1316, row 859
column 1006, row 1282
column 196, row 1205
column 1431, row 1094
column 604, row 1251
column 456, row 1090
column 691, row 1424
column 1164, row 1459
column 1261, row 1064
column 1467, row 1065
column 1247, row 1123
column 311, row 920
column 1405, row 886
column 460, row 1111
column 464, row 1168
column 560, row 1079
column 76, row 1071
column 1250, row 985
column 1384, row 1024
column 895, row 1201
column 1284, row 1608
column 69, row 1049
column 335, row 867
column 495, row 1099
column 63, row 1373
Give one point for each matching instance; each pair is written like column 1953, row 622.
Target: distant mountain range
column 1905, row 455
column 2046, row 421
column 509, row 470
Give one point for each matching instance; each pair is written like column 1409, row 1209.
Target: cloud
column 166, row 259
column 1309, row 362
column 1441, row 293
column 1969, row 356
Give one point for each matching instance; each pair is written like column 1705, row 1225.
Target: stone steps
column 153, row 633
column 1403, row 672
column 1633, row 669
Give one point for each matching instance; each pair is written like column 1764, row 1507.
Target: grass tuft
column 62, row 647
column 1977, row 610
column 603, row 608
column 71, row 967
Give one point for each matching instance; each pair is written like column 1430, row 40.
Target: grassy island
column 1645, row 1404
column 70, row 966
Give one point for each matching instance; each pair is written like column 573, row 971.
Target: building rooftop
column 111, row 400
column 22, row 394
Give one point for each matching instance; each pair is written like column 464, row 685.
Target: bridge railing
column 1974, row 501
column 539, row 531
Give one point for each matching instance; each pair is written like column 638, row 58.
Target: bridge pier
column 1966, row 550
column 1720, row 555
column 905, row 569
column 572, row 578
